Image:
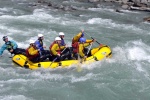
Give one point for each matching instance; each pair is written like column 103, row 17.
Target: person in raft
column 56, row 50
column 11, row 46
column 32, row 53
column 81, row 50
column 68, row 50
column 40, row 47
column 76, row 41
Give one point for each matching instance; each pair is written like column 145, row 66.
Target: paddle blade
column 79, row 69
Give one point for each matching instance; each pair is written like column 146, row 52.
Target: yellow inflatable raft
column 98, row 53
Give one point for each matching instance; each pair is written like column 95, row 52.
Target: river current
column 125, row 76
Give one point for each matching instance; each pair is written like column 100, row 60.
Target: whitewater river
column 125, row 76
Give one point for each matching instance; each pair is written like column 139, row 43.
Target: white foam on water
column 9, row 9
column 39, row 16
column 82, row 78
column 139, row 51
column 22, row 81
column 42, row 15
column 14, row 97
column 46, row 74
column 130, row 11
column 6, row 9
column 93, row 65
column 101, row 9
column 148, row 23
column 110, row 24
column 131, row 51
column 19, row 78
column 118, row 55
column 99, row 21
column 142, row 70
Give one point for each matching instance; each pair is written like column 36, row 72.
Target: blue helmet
column 82, row 40
column 4, row 38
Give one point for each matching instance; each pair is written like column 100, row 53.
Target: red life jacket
column 51, row 45
column 31, row 56
column 73, row 41
column 58, row 51
column 75, row 47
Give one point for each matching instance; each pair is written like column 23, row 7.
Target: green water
column 125, row 76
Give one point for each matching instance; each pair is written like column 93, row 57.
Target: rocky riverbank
column 140, row 5
column 143, row 5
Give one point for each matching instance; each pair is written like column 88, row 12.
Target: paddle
column 56, row 58
column 93, row 38
column 81, row 60
column 79, row 69
column 96, row 40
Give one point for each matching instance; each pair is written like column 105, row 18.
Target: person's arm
column 62, row 47
column 2, row 49
column 86, row 44
column 32, row 51
column 76, row 38
column 89, row 41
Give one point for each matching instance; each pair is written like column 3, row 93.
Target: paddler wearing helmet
column 78, row 45
column 68, row 50
column 56, row 48
column 32, row 52
column 40, row 46
column 11, row 46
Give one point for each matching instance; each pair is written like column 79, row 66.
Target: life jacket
column 58, row 51
column 9, row 45
column 31, row 56
column 75, row 47
column 73, row 41
column 51, row 45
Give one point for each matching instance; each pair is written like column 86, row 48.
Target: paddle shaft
column 92, row 38
column 96, row 41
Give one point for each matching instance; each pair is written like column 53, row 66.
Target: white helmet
column 31, row 41
column 61, row 33
column 57, row 38
column 40, row 35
